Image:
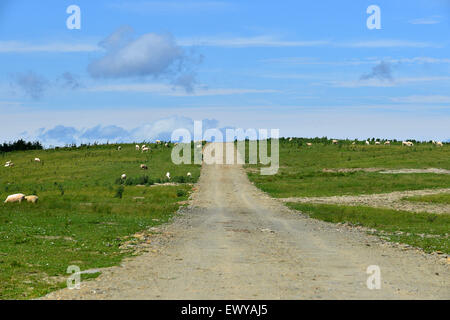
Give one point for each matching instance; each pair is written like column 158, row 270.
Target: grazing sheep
column 145, row 149
column 439, row 144
column 37, row 160
column 144, row 167
column 189, row 174
column 387, row 142
column 377, row 142
column 334, row 141
column 290, row 139
column 138, row 148
column 168, row 175
column 18, row 197
column 309, row 144
column 407, row 143
column 32, row 199
column 119, row 148
column 9, row 164
column 123, row 177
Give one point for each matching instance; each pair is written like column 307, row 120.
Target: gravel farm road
column 235, row 242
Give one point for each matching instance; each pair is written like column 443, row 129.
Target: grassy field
column 442, row 198
column 301, row 168
column 84, row 210
column 423, row 230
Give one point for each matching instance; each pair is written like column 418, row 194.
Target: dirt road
column 234, row 242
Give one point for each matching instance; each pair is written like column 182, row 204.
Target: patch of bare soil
column 391, row 200
column 391, row 171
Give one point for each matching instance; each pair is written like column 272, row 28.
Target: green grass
column 442, row 198
column 424, row 230
column 301, row 168
column 79, row 219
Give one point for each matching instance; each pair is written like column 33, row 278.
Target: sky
column 137, row 70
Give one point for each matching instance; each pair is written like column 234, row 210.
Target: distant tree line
column 20, row 145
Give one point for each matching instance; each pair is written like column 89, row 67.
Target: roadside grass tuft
column 442, row 198
column 424, row 230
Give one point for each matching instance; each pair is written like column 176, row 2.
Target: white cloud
column 150, row 55
column 355, row 62
column 23, row 47
column 422, row 99
column 380, row 83
column 430, row 20
column 166, row 90
column 387, row 44
column 240, row 42
column 171, row 6
column 272, row 41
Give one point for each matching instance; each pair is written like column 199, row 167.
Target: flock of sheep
column 19, row 197
column 404, row 143
column 145, row 148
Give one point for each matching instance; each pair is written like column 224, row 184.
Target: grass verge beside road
column 424, row 230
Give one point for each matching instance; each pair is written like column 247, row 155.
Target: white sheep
column 334, row 141
column 18, row 197
column 377, row 142
column 37, row 160
column 309, row 144
column 189, row 174
column 123, row 176
column 168, row 175
column 119, row 148
column 367, row 142
column 145, row 149
column 138, row 148
column 439, row 144
column 407, row 143
column 387, row 142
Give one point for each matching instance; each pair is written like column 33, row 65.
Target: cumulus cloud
column 157, row 130
column 381, row 71
column 151, row 54
column 31, row 84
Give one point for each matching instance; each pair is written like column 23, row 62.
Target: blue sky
column 307, row 68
